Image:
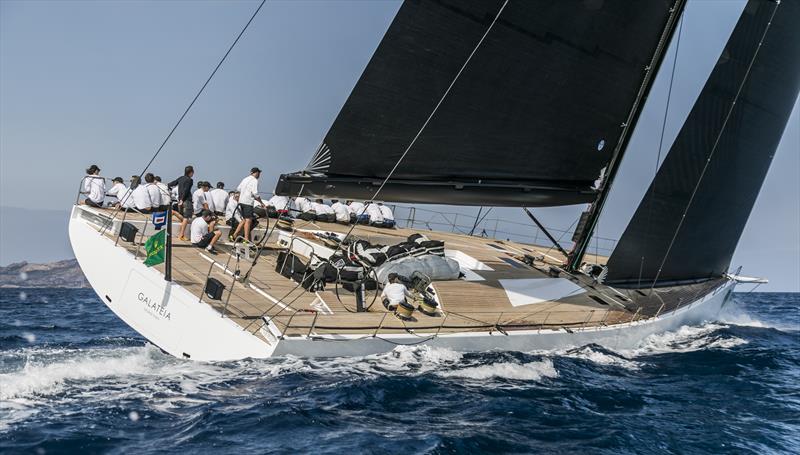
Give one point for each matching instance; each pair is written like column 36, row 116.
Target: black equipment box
column 214, row 289
column 127, row 232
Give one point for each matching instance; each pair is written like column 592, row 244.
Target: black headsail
column 688, row 224
column 530, row 121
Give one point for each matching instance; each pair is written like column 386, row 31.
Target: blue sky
column 103, row 82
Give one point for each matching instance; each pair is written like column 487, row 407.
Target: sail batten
column 543, row 100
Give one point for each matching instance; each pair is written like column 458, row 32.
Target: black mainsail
column 688, row 224
column 531, row 120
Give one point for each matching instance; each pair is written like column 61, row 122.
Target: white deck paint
column 526, row 291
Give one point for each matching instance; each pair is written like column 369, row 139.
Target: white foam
column 685, row 339
column 39, row 378
column 531, row 371
column 601, row 358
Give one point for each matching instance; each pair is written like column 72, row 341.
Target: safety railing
column 413, row 217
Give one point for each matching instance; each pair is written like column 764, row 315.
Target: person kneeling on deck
column 358, row 213
column 342, row 212
column 394, row 293
column 305, row 209
column 388, row 216
column 203, row 233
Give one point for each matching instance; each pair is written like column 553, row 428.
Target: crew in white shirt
column 375, row 215
column 324, row 213
column 200, row 200
column 388, row 216
column 394, row 293
column 278, row 206
column 248, row 195
column 140, row 196
column 342, row 212
column 94, row 187
column 153, row 191
column 118, row 191
column 219, row 198
column 233, row 215
column 166, row 195
column 306, row 209
column 203, row 234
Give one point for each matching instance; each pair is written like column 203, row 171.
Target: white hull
column 174, row 320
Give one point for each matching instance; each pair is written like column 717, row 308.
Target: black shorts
column 204, row 241
column 92, row 203
column 188, row 209
column 246, row 211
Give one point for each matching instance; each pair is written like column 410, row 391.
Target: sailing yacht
column 502, row 103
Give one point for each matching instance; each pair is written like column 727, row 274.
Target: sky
column 103, row 82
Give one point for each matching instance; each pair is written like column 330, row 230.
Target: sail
column 688, row 224
column 532, row 118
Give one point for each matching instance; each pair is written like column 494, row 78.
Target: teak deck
column 465, row 306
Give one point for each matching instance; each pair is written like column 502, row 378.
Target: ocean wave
column 685, row 339
column 530, row 371
column 596, row 354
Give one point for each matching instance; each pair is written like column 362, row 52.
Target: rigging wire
column 196, row 96
column 663, row 129
column 714, row 147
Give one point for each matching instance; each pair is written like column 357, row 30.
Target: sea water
column 73, row 378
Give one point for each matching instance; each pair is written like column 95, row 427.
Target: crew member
column 219, row 198
column 248, row 194
column 342, row 212
column 166, row 195
column 278, row 206
column 394, row 293
column 184, row 198
column 307, row 212
column 140, row 196
column 203, row 233
column 94, row 187
column 375, row 215
column 200, row 200
column 118, row 190
column 388, row 216
column 153, row 192
column 233, row 215
column 324, row 213
column 358, row 210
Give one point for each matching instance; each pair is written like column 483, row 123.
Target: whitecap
column 531, row 371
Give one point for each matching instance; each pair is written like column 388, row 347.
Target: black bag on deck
column 127, row 232
column 288, row 264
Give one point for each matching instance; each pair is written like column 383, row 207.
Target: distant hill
column 60, row 274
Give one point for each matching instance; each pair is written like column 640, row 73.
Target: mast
column 585, row 236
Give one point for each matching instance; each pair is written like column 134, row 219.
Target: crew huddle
column 240, row 209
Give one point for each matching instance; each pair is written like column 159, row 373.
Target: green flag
column 155, row 248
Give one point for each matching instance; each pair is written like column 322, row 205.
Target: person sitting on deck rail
column 118, row 190
column 394, row 292
column 203, row 233
column 166, row 195
column 324, row 212
column 342, row 212
column 388, row 216
column 306, row 209
column 219, row 198
column 184, row 198
column 278, row 206
column 156, row 199
column 140, row 196
column 375, row 215
column 200, row 199
column 248, row 194
column 94, row 187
